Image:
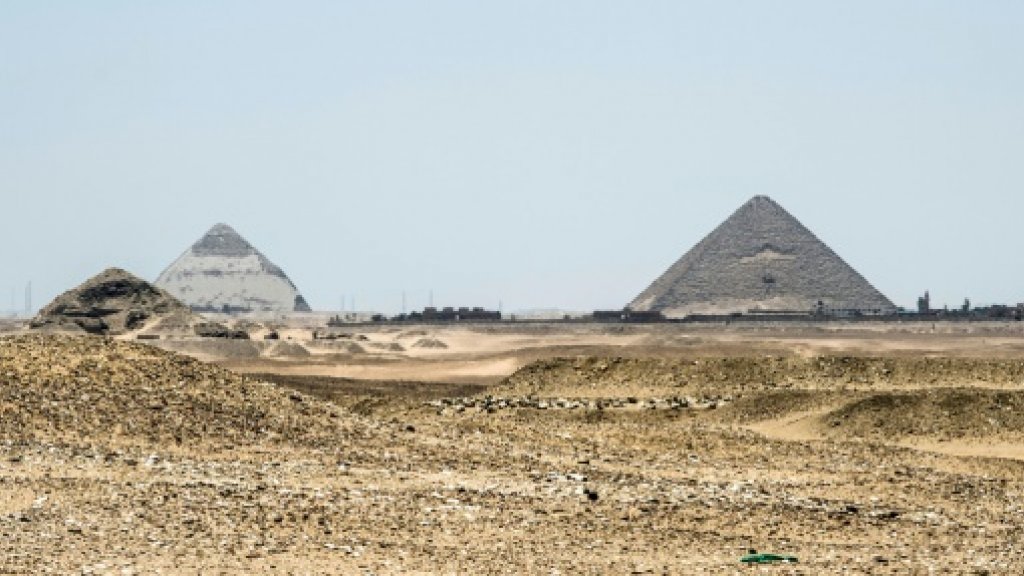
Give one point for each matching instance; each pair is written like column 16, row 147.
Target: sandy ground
column 487, row 353
column 538, row 449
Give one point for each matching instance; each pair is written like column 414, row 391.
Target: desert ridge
column 122, row 458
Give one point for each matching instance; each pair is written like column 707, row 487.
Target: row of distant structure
column 760, row 263
column 994, row 311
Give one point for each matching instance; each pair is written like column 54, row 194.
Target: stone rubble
column 491, row 404
column 117, row 458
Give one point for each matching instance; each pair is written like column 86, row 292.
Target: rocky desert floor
column 546, row 449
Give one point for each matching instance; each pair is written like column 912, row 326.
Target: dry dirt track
column 649, row 462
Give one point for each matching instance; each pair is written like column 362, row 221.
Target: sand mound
column 211, row 349
column 338, row 346
column 429, row 343
column 599, row 376
column 112, row 302
column 943, row 414
column 387, row 346
column 82, row 390
column 287, row 349
column 936, row 404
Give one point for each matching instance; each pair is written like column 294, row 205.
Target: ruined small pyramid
column 111, row 302
column 761, row 260
column 222, row 272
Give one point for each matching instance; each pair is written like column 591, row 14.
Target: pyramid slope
column 223, row 271
column 111, row 302
column 760, row 259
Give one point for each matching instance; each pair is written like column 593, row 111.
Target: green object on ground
column 765, row 558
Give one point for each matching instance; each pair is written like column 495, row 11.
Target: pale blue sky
column 545, row 153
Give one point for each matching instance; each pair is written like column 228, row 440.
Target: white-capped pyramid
column 761, row 260
column 222, row 272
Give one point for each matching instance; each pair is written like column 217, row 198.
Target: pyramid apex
column 222, row 240
column 762, row 199
column 221, row 228
column 115, row 271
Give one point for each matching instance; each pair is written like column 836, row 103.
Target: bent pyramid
column 222, row 272
column 761, row 260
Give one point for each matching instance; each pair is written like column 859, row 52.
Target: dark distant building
column 627, row 315
column 447, row 314
column 454, row 314
column 924, row 303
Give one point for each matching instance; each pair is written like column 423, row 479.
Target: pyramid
column 761, row 260
column 112, row 302
column 222, row 272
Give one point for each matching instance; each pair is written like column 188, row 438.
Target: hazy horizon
column 541, row 155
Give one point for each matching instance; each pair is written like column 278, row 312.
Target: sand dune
column 643, row 451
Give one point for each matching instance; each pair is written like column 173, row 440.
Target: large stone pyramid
column 222, row 272
column 112, row 302
column 761, row 260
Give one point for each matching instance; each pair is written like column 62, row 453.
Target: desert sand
column 516, row 449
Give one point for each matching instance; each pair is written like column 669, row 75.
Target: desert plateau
column 541, row 448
